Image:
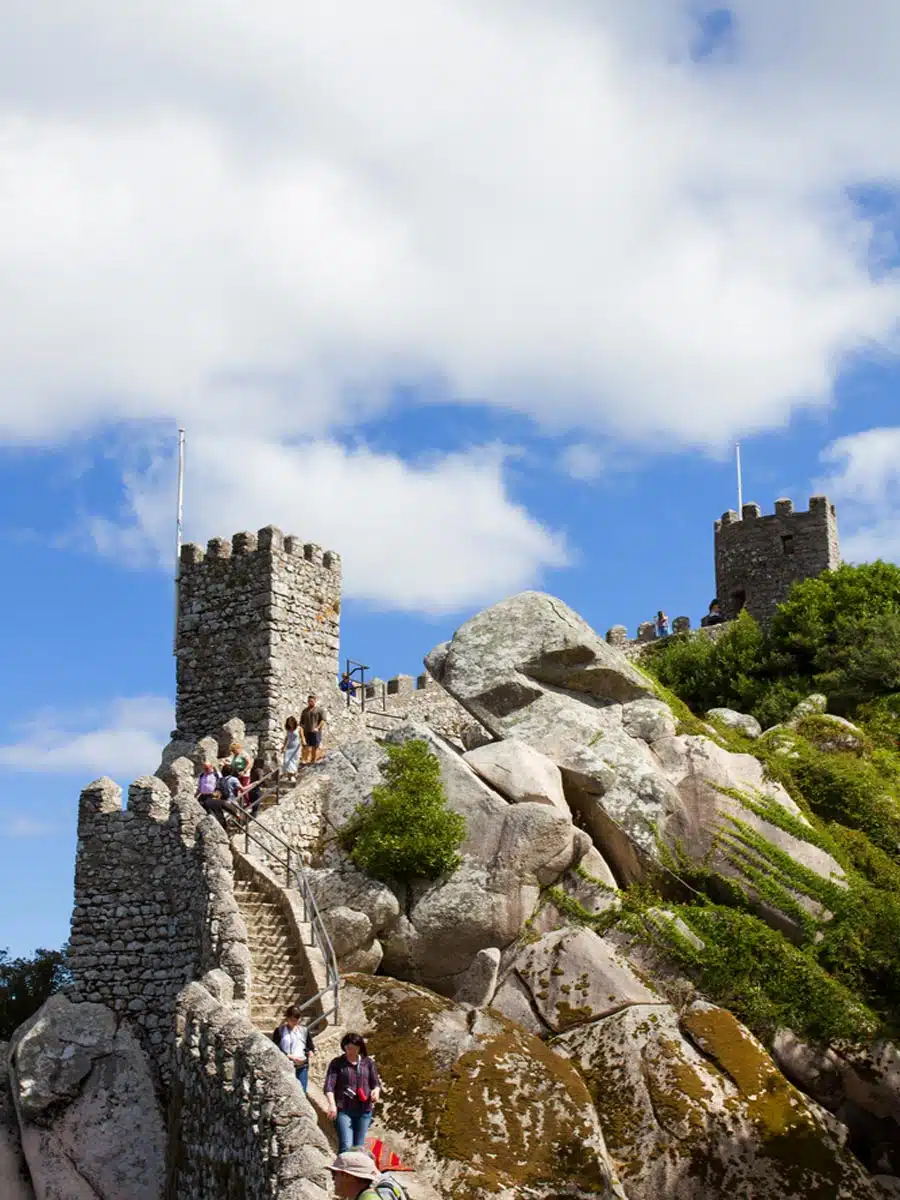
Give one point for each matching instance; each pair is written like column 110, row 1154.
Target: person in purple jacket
column 352, row 1088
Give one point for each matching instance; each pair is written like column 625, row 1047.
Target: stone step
column 278, row 965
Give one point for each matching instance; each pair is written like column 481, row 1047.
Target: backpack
column 387, row 1188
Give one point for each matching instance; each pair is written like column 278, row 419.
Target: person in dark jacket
column 352, row 1088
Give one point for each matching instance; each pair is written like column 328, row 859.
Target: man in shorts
column 312, row 722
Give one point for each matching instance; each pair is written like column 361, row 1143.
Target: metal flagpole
column 737, row 455
column 178, row 522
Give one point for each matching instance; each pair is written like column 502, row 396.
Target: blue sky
column 482, row 300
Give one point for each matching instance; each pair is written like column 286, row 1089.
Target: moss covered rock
column 482, row 1107
column 695, row 1107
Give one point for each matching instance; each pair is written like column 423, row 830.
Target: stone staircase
column 280, row 976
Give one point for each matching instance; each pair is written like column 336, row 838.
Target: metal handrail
column 311, row 915
column 255, row 783
column 352, row 667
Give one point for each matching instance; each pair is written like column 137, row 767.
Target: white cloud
column 433, row 537
column 125, row 738
column 269, row 211
column 865, row 477
column 583, row 461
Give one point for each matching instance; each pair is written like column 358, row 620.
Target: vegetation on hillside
column 406, row 831
column 25, row 983
column 838, row 634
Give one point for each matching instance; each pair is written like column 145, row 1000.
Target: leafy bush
column 735, row 671
column 821, row 620
column 765, row 981
column 861, row 948
column 838, row 633
column 858, row 792
column 406, row 831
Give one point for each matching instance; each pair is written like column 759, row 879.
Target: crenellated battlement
column 399, row 685
column 819, row 506
column 258, row 628
column 269, row 540
column 759, row 556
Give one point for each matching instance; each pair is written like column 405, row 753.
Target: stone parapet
column 422, row 699
column 634, row 648
column 154, row 906
column 239, row 1122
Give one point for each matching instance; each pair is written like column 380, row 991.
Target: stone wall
column 154, row 907
column 239, row 1124
column 635, row 648
column 420, row 699
column 258, row 631
column 758, row 558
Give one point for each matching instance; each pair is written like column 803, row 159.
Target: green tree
column 406, row 831
column 25, row 983
column 841, row 631
column 838, row 633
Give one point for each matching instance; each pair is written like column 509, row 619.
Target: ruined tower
column 758, row 558
column 258, row 627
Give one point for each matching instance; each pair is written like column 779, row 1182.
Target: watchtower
column 258, row 629
column 759, row 557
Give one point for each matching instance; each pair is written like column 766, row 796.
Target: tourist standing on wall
column 312, row 722
column 352, row 1088
column 662, row 624
column 290, row 750
column 296, row 1042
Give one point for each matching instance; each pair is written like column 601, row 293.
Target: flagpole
column 178, row 532
column 737, row 456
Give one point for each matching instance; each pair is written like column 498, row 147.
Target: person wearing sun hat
column 355, row 1175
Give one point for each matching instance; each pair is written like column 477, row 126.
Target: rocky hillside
column 640, row 891
column 660, row 957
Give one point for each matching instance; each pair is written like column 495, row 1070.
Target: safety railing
column 353, row 683
column 291, row 862
column 245, row 791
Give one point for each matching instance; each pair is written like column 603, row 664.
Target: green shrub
column 764, row 980
column 860, row 947
column 881, row 720
column 727, row 673
column 406, row 831
column 856, row 792
column 869, row 861
column 820, row 621
column 838, row 633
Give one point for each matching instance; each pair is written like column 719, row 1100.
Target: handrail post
column 287, row 869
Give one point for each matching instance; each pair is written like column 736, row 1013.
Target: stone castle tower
column 758, row 558
column 258, row 628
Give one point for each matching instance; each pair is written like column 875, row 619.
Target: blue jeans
column 352, row 1128
column 303, row 1076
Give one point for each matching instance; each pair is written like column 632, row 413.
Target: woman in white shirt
column 296, row 1042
